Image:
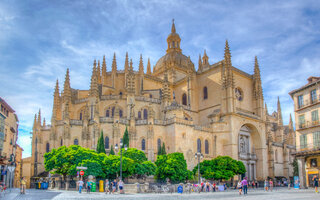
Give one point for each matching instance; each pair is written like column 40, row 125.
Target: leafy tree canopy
column 135, row 154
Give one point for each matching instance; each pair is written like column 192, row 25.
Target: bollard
column 101, row 189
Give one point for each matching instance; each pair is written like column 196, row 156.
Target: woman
column 107, row 186
column 270, row 185
column 23, row 186
column 316, row 183
column 239, row 186
column 121, row 186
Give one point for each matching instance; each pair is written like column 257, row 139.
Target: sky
column 40, row 39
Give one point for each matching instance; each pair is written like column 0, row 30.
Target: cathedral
column 216, row 109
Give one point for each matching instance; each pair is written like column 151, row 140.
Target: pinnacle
column 173, row 27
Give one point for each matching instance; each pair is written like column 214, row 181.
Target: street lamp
column 198, row 155
column 125, row 148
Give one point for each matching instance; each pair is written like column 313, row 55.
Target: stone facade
column 306, row 107
column 216, row 109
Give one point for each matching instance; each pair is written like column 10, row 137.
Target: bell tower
column 173, row 40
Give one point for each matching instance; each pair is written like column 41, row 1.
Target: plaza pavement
column 278, row 194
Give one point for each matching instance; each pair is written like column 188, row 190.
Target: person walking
column 106, row 187
column 244, row 184
column 270, row 185
column 239, row 186
column 214, row 186
column 80, row 184
column 121, row 186
column 266, row 185
column 23, row 186
column 207, row 186
column 114, row 185
column 89, row 183
column 316, row 183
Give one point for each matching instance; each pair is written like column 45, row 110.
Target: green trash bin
column 93, row 187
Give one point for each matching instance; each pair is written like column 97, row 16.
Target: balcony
column 309, row 102
column 309, row 147
column 309, row 124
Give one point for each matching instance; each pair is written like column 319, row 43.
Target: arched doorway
column 246, row 151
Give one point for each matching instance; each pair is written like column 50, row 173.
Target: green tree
column 135, row 154
column 111, row 151
column 125, row 138
column 94, row 168
column 295, row 167
column 163, row 149
column 172, row 166
column 100, row 145
column 159, row 151
column 221, row 167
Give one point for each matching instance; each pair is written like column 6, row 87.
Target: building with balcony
column 8, row 138
column 306, row 107
column 216, row 109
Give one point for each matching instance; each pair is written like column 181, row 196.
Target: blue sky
column 40, row 39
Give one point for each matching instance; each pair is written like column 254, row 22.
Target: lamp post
column 125, row 148
column 198, row 156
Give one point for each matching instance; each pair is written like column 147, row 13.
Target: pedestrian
column 89, row 183
column 207, row 187
column 106, row 188
column 80, row 184
column 316, row 183
column 257, row 184
column 202, row 186
column 214, row 186
column 245, row 185
column 270, row 185
column 253, row 184
column 266, row 185
column 121, row 186
column 23, row 186
column 114, row 185
column 239, row 186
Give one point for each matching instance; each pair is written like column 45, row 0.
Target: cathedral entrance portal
column 247, row 152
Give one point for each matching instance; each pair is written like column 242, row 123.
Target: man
column 80, row 184
column 89, row 183
column 114, row 185
column 244, row 184
column 316, row 183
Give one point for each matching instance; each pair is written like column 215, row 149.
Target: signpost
column 82, row 168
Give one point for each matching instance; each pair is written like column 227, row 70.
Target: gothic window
column 120, row 93
column 113, row 111
column 120, row 113
column 47, row 147
column 80, row 117
column 106, row 142
column 184, row 99
column 172, row 44
column 107, row 113
column 159, row 144
column 206, row 147
column 276, row 156
column 61, row 142
column 76, row 142
column 199, row 145
column 139, row 115
column 143, row 144
column 239, row 94
column 205, row 93
column 145, row 114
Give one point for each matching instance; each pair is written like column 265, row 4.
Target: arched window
column 120, row 93
column 120, row 113
column 107, row 113
column 113, row 111
column 80, row 117
column 76, row 142
column 276, row 155
column 205, row 93
column 145, row 114
column 184, row 99
column 106, row 142
column 139, row 115
column 143, row 144
column 199, row 145
column 206, row 147
column 61, row 142
column 47, row 147
column 150, row 95
column 159, row 144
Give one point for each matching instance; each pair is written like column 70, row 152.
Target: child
column 239, row 187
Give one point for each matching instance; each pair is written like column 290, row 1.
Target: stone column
column 67, row 182
column 302, row 172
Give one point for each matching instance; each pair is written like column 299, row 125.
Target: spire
column 200, row 63
column 114, row 63
column 228, row 76
column 279, row 113
column 35, row 121
column 290, row 123
column 205, row 58
column 166, row 95
column 257, row 88
column 141, row 65
column 98, row 72
column 126, row 63
column 39, row 117
column 67, row 88
column 131, row 67
column 94, row 81
column 149, row 67
column 266, row 108
column 104, row 70
column 56, row 95
column 130, row 80
column 173, row 27
column 44, row 121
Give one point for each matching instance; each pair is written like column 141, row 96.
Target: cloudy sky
column 40, row 39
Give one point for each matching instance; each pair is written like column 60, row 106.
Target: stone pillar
column 302, row 172
column 67, row 182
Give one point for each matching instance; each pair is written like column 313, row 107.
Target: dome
column 172, row 59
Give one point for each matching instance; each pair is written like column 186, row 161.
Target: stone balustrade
column 76, row 122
